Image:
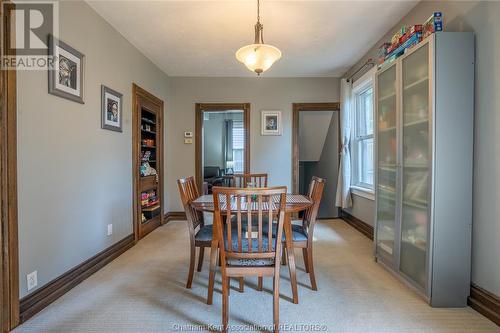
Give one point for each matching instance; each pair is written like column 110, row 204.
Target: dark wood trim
column 9, row 275
column 177, row 216
column 36, row 301
column 141, row 97
column 357, row 224
column 200, row 108
column 298, row 107
column 485, row 302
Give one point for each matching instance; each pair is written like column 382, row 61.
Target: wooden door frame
column 9, row 267
column 214, row 107
column 298, row 107
column 137, row 93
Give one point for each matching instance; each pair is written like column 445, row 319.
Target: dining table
column 294, row 203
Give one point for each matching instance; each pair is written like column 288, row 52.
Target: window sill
column 363, row 192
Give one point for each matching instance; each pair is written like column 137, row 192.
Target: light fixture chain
column 258, row 11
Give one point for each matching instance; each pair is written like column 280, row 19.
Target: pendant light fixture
column 258, row 57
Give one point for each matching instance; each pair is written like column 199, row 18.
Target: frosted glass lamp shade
column 258, row 57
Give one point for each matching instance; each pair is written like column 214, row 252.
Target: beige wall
column 270, row 154
column 481, row 17
column 74, row 177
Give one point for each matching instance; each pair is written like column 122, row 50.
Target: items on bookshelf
column 149, row 198
column 151, row 213
column 148, row 142
column 407, row 37
column 147, row 170
column 148, row 128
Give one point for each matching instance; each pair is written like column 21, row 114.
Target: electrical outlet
column 110, row 229
column 32, row 280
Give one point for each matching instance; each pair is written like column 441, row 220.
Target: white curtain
column 343, row 198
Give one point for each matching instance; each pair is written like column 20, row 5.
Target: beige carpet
column 143, row 291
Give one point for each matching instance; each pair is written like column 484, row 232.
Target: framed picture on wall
column 66, row 72
column 111, row 109
column 271, row 123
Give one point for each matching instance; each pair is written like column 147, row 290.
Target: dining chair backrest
column 249, row 241
column 244, row 179
column 189, row 192
column 315, row 192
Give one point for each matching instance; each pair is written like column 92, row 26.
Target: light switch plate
column 110, row 229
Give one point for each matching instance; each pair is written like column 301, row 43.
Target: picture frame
column 66, row 73
column 111, row 109
column 271, row 123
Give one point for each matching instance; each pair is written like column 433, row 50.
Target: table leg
column 211, row 276
column 291, row 256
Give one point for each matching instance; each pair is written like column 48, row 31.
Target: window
column 362, row 135
column 238, row 146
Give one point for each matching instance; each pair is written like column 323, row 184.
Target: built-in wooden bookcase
column 147, row 150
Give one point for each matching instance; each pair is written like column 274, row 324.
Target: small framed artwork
column 271, row 123
column 66, row 72
column 111, row 109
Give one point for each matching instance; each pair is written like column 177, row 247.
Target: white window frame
column 360, row 85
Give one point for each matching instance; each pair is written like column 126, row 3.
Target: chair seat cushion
column 298, row 233
column 204, row 234
column 251, row 262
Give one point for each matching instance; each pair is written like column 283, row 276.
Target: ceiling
column 200, row 38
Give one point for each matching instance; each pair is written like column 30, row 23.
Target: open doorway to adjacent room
column 316, row 138
column 222, row 143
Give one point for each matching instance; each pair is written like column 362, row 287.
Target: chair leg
column 304, row 254
column 225, row 303
column 291, row 257
column 192, row 259
column 211, row 275
column 218, row 258
column 259, row 287
column 201, row 256
column 283, row 256
column 242, row 284
column 276, row 304
column 311, row 267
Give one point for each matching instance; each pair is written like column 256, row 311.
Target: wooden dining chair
column 303, row 233
column 242, row 180
column 200, row 235
column 249, row 250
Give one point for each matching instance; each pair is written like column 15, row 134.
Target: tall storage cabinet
column 424, row 149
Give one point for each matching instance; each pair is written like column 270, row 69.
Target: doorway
column 222, row 142
column 316, row 139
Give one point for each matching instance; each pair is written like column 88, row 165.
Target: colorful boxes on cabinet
column 407, row 37
column 433, row 24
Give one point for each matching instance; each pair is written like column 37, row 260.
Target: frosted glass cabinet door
column 386, row 168
column 415, row 166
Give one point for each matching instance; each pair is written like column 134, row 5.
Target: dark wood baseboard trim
column 178, row 216
column 356, row 223
column 485, row 302
column 36, row 301
column 481, row 300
